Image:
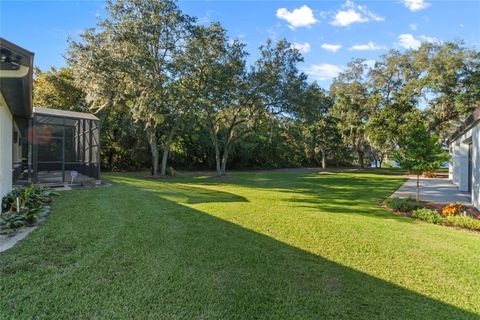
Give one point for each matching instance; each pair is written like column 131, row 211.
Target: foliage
column 452, row 209
column 352, row 106
column 451, row 77
column 216, row 77
column 319, row 136
column 133, row 61
column 402, row 204
column 161, row 82
column 429, row 215
column 463, row 221
column 24, row 211
column 57, row 89
column 419, row 150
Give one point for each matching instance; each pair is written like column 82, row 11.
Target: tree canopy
column 162, row 83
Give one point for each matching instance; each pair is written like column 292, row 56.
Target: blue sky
column 329, row 33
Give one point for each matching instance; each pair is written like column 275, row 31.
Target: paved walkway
column 433, row 190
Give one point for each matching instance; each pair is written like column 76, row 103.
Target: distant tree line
column 172, row 92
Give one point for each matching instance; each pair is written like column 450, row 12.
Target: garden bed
column 452, row 215
column 22, row 210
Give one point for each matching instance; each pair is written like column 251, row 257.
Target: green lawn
column 261, row 245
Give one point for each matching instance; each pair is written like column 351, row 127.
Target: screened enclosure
column 65, row 146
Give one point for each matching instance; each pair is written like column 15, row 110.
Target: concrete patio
column 433, row 190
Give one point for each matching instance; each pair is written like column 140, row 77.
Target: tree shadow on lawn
column 166, row 260
column 340, row 193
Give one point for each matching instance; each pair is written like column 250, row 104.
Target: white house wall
column 476, row 166
column 6, row 131
column 458, row 171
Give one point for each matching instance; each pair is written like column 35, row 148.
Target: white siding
column 476, row 166
column 459, row 162
column 6, row 130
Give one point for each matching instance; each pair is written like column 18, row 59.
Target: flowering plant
column 452, row 209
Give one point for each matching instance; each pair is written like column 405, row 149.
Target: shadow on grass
column 356, row 191
column 160, row 259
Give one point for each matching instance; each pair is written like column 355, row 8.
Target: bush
column 429, row 174
column 16, row 214
column 402, row 205
column 463, row 222
column 428, row 215
column 452, row 209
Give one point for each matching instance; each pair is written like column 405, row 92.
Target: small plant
column 21, row 206
column 463, row 222
column 452, row 209
column 429, row 174
column 402, row 205
column 429, row 215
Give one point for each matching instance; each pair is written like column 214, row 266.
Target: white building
column 41, row 145
column 16, row 76
column 464, row 166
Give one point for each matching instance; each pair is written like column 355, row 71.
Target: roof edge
column 64, row 113
column 466, row 125
column 14, row 47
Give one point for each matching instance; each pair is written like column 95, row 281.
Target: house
column 41, row 145
column 16, row 77
column 464, row 166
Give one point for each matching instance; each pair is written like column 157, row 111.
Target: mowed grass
column 256, row 245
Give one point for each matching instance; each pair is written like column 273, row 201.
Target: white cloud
column 425, row 38
column 367, row 46
column 408, row 41
column 323, row 71
column 302, row 47
column 300, row 17
column 413, row 26
column 331, row 47
column 462, row 25
column 345, row 18
column 354, row 13
column 416, row 5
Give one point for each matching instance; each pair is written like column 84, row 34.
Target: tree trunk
column 152, row 140
column 360, row 159
column 418, row 188
column 224, row 162
column 228, row 139
column 382, row 157
column 163, row 168
column 324, row 160
column 312, row 154
column 214, row 137
column 217, row 160
column 166, row 149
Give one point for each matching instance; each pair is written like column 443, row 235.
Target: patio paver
column 433, row 190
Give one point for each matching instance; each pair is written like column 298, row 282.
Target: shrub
column 463, row 222
column 16, row 214
column 429, row 174
column 452, row 209
column 428, row 215
column 402, row 205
